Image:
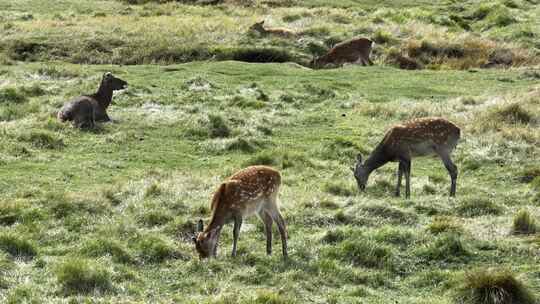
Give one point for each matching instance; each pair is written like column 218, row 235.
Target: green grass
column 107, row 215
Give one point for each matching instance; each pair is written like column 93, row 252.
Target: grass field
column 107, row 215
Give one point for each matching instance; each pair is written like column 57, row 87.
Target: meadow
column 106, row 215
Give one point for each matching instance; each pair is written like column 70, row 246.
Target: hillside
column 106, row 215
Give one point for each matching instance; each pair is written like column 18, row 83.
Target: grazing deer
column 249, row 191
column 259, row 27
column 85, row 110
column 419, row 137
column 356, row 50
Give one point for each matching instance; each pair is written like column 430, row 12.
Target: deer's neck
column 377, row 159
column 104, row 95
column 217, row 221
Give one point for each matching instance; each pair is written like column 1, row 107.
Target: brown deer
column 356, row 51
column 252, row 190
column 85, row 110
column 419, row 137
column 283, row 32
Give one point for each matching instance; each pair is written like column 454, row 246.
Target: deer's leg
column 369, row 61
column 399, row 175
column 267, row 220
column 406, row 163
column 236, row 232
column 452, row 170
column 276, row 216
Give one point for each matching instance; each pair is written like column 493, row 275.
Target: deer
column 418, row 137
column 85, row 110
column 356, row 50
column 283, row 32
column 252, row 190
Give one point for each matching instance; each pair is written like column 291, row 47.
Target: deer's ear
column 352, row 169
column 359, row 157
column 200, row 226
column 261, row 23
column 194, row 239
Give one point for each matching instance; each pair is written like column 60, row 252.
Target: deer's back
column 423, row 136
column 248, row 190
column 82, row 105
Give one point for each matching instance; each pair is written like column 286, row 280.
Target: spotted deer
column 283, row 32
column 419, row 137
column 85, row 110
column 253, row 190
column 355, row 51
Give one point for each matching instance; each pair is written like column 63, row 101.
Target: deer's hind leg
column 273, row 210
column 451, row 168
column 267, row 220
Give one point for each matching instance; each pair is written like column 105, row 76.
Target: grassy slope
column 146, row 178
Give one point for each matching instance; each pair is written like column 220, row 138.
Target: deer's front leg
column 399, row 175
column 236, row 232
column 407, row 171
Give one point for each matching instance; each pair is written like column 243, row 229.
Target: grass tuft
column 82, row 276
column 477, row 206
column 447, row 248
column 17, row 246
column 441, row 224
column 218, row 127
column 105, row 247
column 524, row 223
column 493, row 286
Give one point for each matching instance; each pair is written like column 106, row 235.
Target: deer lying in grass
column 85, row 110
column 249, row 191
column 283, row 32
column 356, row 51
column 419, row 137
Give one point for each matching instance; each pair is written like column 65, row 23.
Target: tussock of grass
column 477, row 206
column 362, row 252
column 154, row 249
column 42, row 139
column 493, row 286
column 512, row 113
column 11, row 95
column 83, row 276
column 154, row 217
column 218, row 127
column 271, row 297
column 17, row 246
column 104, row 247
column 339, row 189
column 442, row 224
column 389, row 214
column 524, row 223
column 448, row 247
